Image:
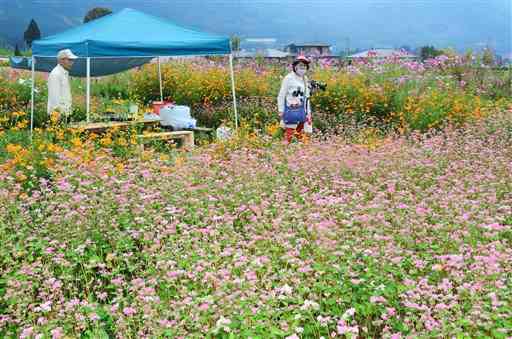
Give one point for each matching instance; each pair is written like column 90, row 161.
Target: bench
column 186, row 136
column 99, row 127
column 201, row 129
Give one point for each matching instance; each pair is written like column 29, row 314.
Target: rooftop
column 310, row 44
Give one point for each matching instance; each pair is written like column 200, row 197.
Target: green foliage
column 488, row 57
column 96, row 13
column 428, row 52
column 235, row 43
column 17, row 51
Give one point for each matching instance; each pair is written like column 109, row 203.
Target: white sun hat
column 66, row 54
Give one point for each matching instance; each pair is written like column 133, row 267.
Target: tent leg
column 233, row 89
column 32, row 98
column 160, row 80
column 88, row 102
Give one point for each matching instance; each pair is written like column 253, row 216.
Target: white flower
column 349, row 313
column 223, row 322
column 310, row 304
column 286, row 290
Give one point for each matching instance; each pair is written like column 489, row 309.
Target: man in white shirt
column 59, row 89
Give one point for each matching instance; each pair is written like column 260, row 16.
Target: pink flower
column 57, row 333
column 419, row 264
column 391, row 311
column 377, row 299
column 343, row 328
column 421, row 211
column 305, row 269
column 251, row 276
column 293, row 336
column 494, row 227
column 129, row 311
column 118, row 281
column 27, row 332
column 114, row 308
column 204, row 306
column 94, row 317
column 47, row 306
column 173, row 274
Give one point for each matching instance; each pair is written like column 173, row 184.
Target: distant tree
column 488, row 57
column 428, row 52
column 96, row 13
column 32, row 33
column 449, row 51
column 17, row 51
column 469, row 56
column 235, row 43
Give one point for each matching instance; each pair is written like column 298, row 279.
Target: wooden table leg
column 189, row 140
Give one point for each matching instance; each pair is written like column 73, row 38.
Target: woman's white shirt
column 293, row 84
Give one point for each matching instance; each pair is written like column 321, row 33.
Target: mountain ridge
column 366, row 23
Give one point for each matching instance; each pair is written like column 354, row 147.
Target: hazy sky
column 363, row 23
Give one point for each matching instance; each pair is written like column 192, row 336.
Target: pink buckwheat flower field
column 403, row 232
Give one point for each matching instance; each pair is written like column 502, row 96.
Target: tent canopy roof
column 130, row 33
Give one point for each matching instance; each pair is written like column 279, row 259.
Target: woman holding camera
column 293, row 101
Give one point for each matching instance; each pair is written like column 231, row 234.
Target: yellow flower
column 18, row 114
column 76, row 142
column 20, row 177
column 48, row 162
column 52, row 148
column 120, row 167
column 13, row 148
column 122, row 142
column 54, row 117
column 179, row 161
column 21, row 124
column 106, row 141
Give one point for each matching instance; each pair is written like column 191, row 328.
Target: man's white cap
column 66, row 54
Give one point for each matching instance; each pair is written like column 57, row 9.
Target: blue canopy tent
column 99, row 66
column 130, row 34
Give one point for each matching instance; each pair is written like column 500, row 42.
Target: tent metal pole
column 32, row 98
column 160, row 80
column 88, row 102
column 233, row 91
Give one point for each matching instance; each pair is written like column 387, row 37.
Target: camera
column 316, row 85
column 298, row 92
